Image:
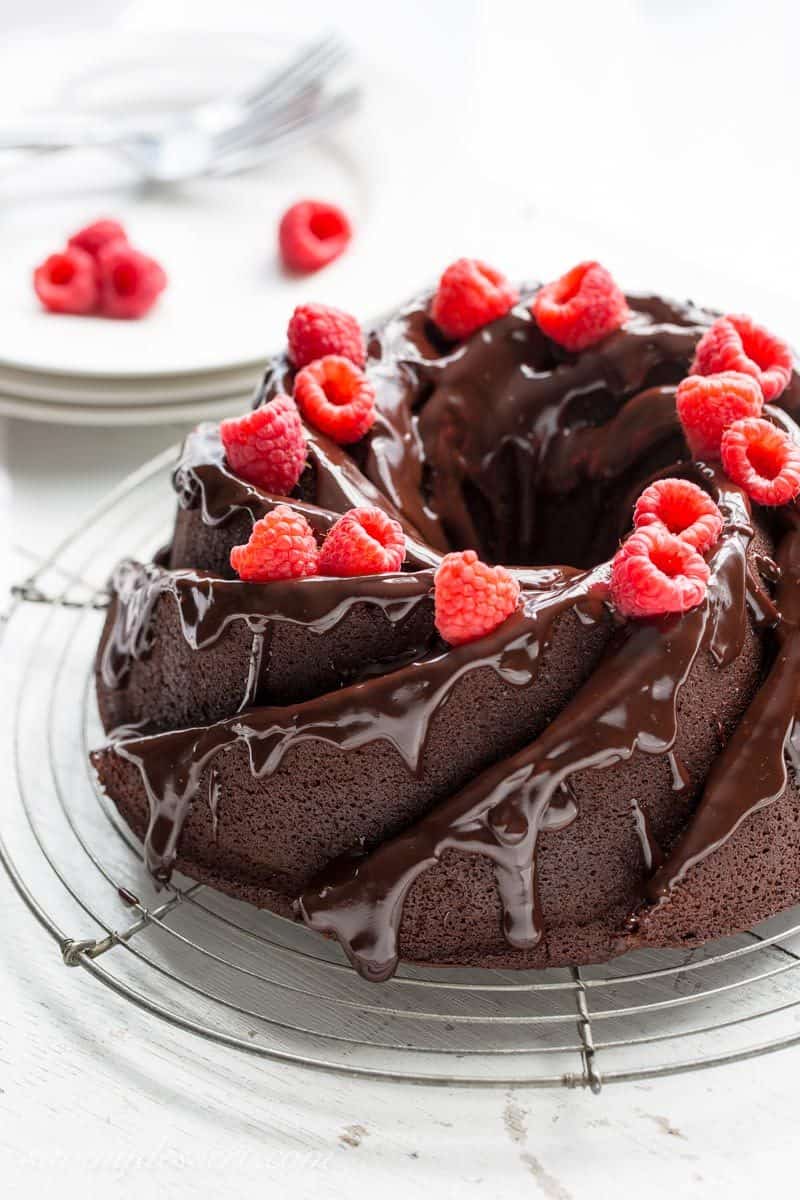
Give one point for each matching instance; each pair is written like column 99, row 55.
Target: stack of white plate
column 200, row 352
column 76, row 399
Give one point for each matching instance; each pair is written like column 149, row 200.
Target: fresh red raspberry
column 317, row 329
column 130, row 282
column 471, row 599
column 654, row 572
column 708, row 404
column 580, row 308
column 336, row 398
column 267, row 447
column 763, row 460
column 66, row 282
column 92, row 238
column 469, row 296
column 680, row 507
column 736, row 343
column 365, row 541
column 281, row 546
column 312, row 234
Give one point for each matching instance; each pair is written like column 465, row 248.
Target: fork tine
column 264, row 122
column 271, row 126
column 297, row 95
column 300, row 85
column 257, row 148
column 297, row 88
column 307, row 62
column 306, row 52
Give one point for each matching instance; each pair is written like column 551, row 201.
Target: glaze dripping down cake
column 477, row 641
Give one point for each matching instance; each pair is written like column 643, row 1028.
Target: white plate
column 120, row 416
column 99, row 390
column 228, row 300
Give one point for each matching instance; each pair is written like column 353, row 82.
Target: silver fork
column 219, row 136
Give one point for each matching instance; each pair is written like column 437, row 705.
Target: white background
column 661, row 136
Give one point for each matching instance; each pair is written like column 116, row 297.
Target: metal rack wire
column 259, row 983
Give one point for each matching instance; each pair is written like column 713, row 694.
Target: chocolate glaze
column 478, row 445
column 470, row 437
column 628, row 704
column 396, row 707
column 202, row 479
column 751, row 770
column 207, row 605
column 651, row 851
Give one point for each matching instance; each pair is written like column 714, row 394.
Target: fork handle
column 61, row 134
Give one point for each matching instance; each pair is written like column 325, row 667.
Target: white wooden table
column 96, row 1096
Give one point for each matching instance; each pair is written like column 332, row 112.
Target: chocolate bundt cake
column 447, row 762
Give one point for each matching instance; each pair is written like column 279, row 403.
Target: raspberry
column 470, row 598
column 312, row 234
column 92, row 238
column 580, row 308
column 654, row 572
column 130, row 282
column 763, row 460
column 738, row 344
column 680, row 507
column 281, row 546
column 336, row 397
column 66, row 283
column 708, row 404
column 267, row 447
column 317, row 329
column 365, row 541
column 470, row 295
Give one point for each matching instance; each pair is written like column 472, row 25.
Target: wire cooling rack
column 256, row 982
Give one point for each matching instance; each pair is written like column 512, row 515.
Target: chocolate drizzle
column 751, row 770
column 207, row 605
column 628, row 704
column 397, row 707
column 202, row 479
column 651, row 852
column 470, row 437
column 480, row 445
column 253, row 670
